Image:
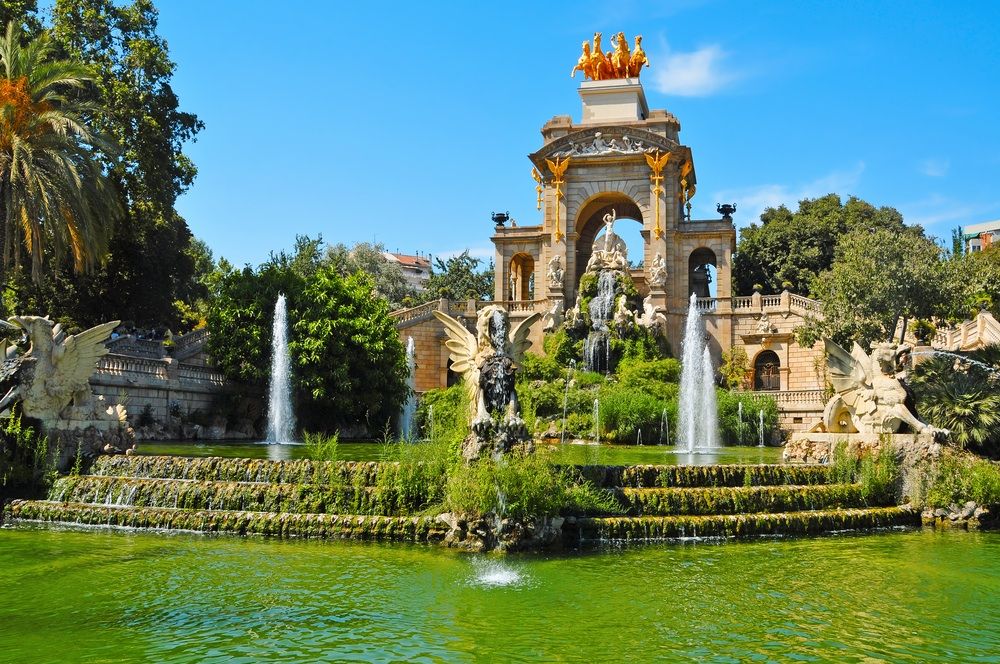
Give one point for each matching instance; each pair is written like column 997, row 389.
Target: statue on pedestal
column 657, row 273
column 870, row 398
column 487, row 361
column 555, row 273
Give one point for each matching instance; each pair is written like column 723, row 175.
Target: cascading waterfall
column 597, row 345
column 410, row 405
column 280, row 418
column 698, row 416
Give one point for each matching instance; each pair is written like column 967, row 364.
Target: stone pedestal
column 614, row 100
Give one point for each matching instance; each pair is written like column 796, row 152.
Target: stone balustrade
column 797, row 397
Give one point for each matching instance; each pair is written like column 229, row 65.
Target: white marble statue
column 554, row 316
column 555, row 273
column 651, row 318
column 624, row 318
column 870, row 398
column 764, row 324
column 51, row 379
column 658, row 273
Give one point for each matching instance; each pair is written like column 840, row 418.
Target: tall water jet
column 698, row 417
column 410, row 405
column 280, row 418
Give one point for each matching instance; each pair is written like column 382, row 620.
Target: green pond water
column 566, row 453
column 112, row 596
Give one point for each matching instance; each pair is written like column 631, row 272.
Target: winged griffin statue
column 51, row 379
column 487, row 361
column 870, row 397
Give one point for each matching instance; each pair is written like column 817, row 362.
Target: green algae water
column 114, row 596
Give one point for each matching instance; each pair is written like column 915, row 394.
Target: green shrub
column 729, row 420
column 536, row 367
column 321, row 446
column 451, row 415
column 26, row 465
column 958, row 478
column 561, row 347
column 624, row 412
column 878, row 473
column 520, row 486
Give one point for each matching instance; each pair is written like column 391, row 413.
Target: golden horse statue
column 638, row 59
column 621, row 57
column 599, row 62
column 584, row 63
column 622, row 62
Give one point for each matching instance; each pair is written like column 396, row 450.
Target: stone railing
column 800, row 398
column 780, row 303
column 185, row 343
column 742, row 302
column 122, row 365
column 195, row 373
column 814, row 306
column 770, row 301
column 707, row 304
column 969, row 335
column 129, row 345
column 519, row 306
column 419, row 311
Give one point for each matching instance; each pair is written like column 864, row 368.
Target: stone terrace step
column 324, row 526
column 731, row 475
column 296, row 471
column 241, row 496
column 651, row 528
column 742, row 500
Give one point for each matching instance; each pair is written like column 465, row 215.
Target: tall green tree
column 369, row 258
column 460, row 277
column 793, row 247
column 148, row 268
column 348, row 364
column 879, row 278
column 54, row 199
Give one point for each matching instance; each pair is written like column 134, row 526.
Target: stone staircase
column 731, row 501
column 379, row 501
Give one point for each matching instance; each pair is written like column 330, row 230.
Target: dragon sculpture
column 487, row 361
column 51, row 379
column 870, row 397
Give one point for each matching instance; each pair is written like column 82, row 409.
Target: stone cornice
column 579, row 145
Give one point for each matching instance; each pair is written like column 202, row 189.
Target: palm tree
column 54, row 196
column 963, row 398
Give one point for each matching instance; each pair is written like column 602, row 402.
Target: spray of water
column 280, row 418
column 698, row 416
column 410, row 405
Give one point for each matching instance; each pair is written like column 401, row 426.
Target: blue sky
column 409, row 123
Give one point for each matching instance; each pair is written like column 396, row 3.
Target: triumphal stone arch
column 624, row 158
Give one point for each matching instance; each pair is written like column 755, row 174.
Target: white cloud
column 753, row 200
column 935, row 168
column 937, row 213
column 695, row 74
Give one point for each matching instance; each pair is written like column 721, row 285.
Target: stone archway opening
column 767, row 372
column 590, row 227
column 522, row 277
column 702, row 272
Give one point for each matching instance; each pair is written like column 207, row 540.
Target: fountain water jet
column 410, row 405
column 698, row 417
column 280, row 418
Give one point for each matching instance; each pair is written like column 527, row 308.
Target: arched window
column 767, row 371
column 701, row 268
column 522, row 283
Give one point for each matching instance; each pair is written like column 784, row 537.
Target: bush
column 536, row 367
column 321, row 446
column 520, row 486
column 624, row 412
column 877, row 473
column 451, row 415
column 26, row 466
column 958, row 478
column 561, row 347
column 729, row 420
column 656, row 377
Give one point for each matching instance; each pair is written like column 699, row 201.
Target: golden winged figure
column 656, row 165
column 558, row 167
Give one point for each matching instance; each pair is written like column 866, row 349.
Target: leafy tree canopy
column 460, row 278
column 794, row 247
column 348, row 364
column 370, row 259
column 879, row 277
column 149, row 267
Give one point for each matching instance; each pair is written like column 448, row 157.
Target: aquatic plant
column 321, row 446
column 26, row 465
column 957, row 478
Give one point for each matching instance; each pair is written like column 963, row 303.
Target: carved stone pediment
column 604, row 141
